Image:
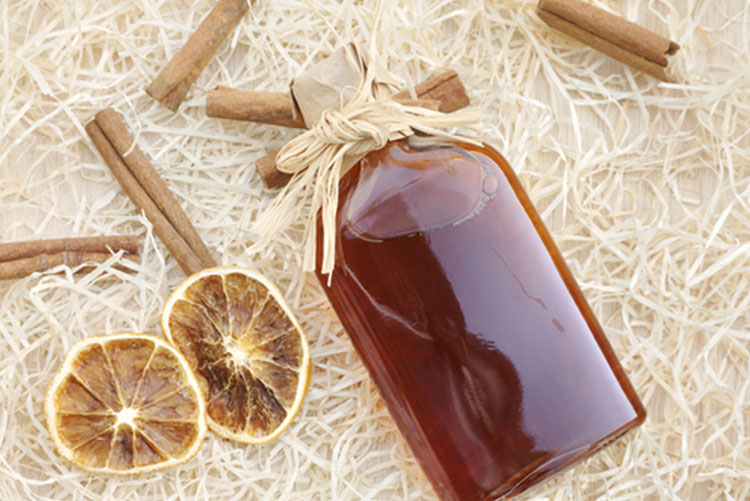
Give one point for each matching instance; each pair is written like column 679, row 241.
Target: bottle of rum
column 473, row 329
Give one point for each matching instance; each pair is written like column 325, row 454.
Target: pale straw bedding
column 645, row 186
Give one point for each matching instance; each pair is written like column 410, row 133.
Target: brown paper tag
column 334, row 81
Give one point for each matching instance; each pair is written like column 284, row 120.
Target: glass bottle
column 470, row 324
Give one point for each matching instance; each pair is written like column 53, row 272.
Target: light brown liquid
column 472, row 327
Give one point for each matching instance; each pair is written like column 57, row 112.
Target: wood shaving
column 644, row 185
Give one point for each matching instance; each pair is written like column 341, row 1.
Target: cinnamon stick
column 272, row 177
column 21, row 267
column 148, row 192
column 10, row 251
column 171, row 85
column 19, row 259
column 620, row 39
column 446, row 88
column 276, row 108
column 272, row 108
column 117, row 132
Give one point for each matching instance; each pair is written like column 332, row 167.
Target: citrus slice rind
column 247, row 350
column 124, row 404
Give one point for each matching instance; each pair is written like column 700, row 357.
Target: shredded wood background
column 645, row 186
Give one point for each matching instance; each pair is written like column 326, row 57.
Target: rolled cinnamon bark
column 272, row 177
column 446, row 88
column 174, row 242
column 620, row 39
column 277, row 108
column 272, row 108
column 19, row 259
column 171, row 85
column 18, row 268
column 113, row 126
column 147, row 190
column 10, row 251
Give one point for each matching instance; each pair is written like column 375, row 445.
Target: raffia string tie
column 334, row 129
column 336, row 141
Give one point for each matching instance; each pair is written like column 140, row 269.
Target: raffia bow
column 336, row 141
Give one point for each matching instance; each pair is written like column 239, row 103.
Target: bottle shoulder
column 417, row 185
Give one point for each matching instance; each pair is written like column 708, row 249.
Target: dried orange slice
column 246, row 348
column 125, row 403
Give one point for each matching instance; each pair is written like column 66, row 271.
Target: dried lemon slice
column 125, row 403
column 247, row 349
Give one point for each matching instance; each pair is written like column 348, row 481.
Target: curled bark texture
column 19, row 259
column 620, row 39
column 171, row 85
column 144, row 186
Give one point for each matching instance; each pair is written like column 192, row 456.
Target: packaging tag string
column 336, row 141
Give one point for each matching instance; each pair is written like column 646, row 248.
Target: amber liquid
column 474, row 331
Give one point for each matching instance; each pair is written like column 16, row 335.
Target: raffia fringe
column 320, row 156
